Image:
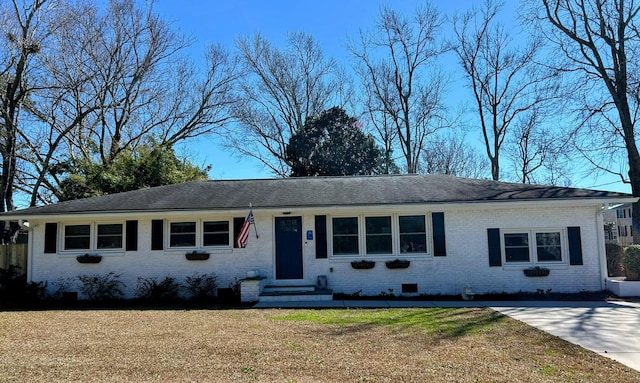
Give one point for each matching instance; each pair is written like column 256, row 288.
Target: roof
column 316, row 192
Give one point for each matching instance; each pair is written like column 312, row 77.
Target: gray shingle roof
column 315, row 192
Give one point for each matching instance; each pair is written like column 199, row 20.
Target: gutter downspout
column 602, row 250
column 29, row 252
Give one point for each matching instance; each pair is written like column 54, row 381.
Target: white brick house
column 454, row 232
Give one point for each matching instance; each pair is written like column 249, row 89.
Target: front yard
column 412, row 345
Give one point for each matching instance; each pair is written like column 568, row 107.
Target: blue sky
column 330, row 22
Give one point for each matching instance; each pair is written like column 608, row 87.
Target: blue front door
column 289, row 248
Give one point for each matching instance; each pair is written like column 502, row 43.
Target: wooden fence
column 14, row 254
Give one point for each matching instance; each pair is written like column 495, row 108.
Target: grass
column 394, row 345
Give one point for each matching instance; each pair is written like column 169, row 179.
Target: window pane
column 109, row 236
column 378, row 225
column 216, row 239
column 413, row 237
column 217, row 226
column 412, row 224
column 345, row 225
column 516, row 247
column 215, row 233
column 183, row 234
column 548, row 247
column 345, row 236
column 77, row 237
column 378, row 235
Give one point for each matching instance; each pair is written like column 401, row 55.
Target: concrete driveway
column 612, row 329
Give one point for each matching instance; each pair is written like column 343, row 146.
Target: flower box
column 362, row 265
column 89, row 258
column 398, row 264
column 195, row 256
column 536, row 272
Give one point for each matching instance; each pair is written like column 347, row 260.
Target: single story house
column 368, row 235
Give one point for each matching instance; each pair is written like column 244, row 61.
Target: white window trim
column 93, row 239
column 199, row 235
column 395, row 237
column 533, row 251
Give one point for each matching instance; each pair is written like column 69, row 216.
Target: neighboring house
column 618, row 225
column 455, row 232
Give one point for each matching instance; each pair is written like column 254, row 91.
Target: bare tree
column 395, row 61
column 600, row 40
column 116, row 78
column 449, row 154
column 280, row 89
column 537, row 154
column 23, row 30
column 505, row 80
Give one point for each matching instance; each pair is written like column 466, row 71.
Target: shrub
column 101, row 287
column 631, row 262
column 150, row 288
column 201, row 286
column 14, row 285
column 63, row 285
column 614, row 259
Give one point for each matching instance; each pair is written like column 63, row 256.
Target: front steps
column 301, row 293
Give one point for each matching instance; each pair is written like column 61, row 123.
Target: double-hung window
column 93, row 236
column 109, row 236
column 379, row 235
column 77, row 237
column 413, row 234
column 379, row 240
column 200, row 233
column 533, row 246
column 215, row 233
column 345, row 236
column 182, row 234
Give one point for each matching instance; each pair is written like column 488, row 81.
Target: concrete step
column 297, row 296
column 288, row 288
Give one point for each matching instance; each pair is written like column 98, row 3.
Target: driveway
column 612, row 329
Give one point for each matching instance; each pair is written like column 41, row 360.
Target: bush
column 631, row 262
column 101, row 287
column 201, row 286
column 62, row 286
column 150, row 288
column 614, row 259
column 14, row 285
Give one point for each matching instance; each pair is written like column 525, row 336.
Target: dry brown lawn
column 409, row 345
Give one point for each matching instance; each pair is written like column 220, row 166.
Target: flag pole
column 254, row 221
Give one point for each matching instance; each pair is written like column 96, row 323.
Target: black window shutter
column 439, row 240
column 132, row 235
column 575, row 245
column 237, row 226
column 157, row 235
column 50, row 237
column 495, row 256
column 321, row 236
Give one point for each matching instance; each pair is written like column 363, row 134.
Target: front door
column 289, row 248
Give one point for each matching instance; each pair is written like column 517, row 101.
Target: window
column 516, row 247
column 182, row 234
column 109, row 236
column 378, row 235
column 345, row 236
column 77, row 237
column 413, row 234
column 546, row 246
column 215, row 233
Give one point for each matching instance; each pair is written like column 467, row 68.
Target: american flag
column 243, row 236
